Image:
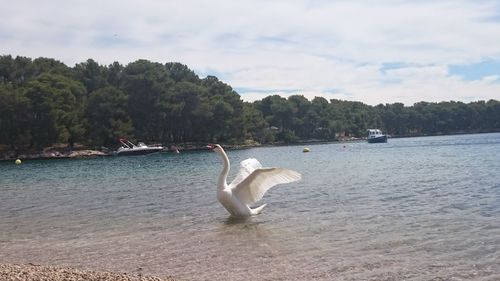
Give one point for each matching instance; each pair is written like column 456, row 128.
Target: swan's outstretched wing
column 253, row 188
column 246, row 168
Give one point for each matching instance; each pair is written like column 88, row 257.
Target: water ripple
column 411, row 209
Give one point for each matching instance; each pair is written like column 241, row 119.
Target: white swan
column 249, row 185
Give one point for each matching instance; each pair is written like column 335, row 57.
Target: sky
column 370, row 51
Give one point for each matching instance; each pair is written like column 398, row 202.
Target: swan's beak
column 210, row 146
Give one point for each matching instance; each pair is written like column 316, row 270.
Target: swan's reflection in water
column 249, row 228
column 231, row 220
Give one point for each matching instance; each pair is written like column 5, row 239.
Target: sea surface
column 424, row 208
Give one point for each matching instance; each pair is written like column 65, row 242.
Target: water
column 412, row 209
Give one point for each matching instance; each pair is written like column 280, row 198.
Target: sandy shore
column 30, row 272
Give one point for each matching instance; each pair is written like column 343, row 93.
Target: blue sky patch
column 476, row 71
column 392, row 65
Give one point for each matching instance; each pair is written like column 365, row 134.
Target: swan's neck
column 222, row 183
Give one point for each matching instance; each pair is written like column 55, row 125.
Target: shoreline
column 53, row 154
column 50, row 153
column 35, row 272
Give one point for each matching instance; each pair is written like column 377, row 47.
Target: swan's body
column 250, row 184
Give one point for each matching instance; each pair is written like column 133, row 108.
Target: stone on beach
column 30, row 272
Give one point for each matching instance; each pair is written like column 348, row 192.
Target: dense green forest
column 43, row 102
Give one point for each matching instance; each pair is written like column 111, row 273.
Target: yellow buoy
column 306, row 149
column 18, row 161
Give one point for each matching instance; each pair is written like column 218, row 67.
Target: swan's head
column 214, row 147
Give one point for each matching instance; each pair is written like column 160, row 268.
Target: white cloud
column 331, row 48
column 491, row 78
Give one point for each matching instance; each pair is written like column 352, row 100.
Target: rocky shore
column 31, row 272
column 58, row 151
column 62, row 151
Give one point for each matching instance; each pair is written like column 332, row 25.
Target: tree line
column 43, row 102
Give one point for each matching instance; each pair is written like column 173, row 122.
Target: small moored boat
column 376, row 136
column 128, row 148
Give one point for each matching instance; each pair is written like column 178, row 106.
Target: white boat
column 128, row 148
column 376, row 136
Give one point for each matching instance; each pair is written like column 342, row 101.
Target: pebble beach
column 32, row 272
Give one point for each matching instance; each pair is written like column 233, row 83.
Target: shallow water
column 413, row 209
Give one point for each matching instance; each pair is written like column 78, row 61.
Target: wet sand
column 32, row 272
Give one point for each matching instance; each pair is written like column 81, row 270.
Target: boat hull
column 138, row 151
column 380, row 139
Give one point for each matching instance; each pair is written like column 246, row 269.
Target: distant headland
column 44, row 102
